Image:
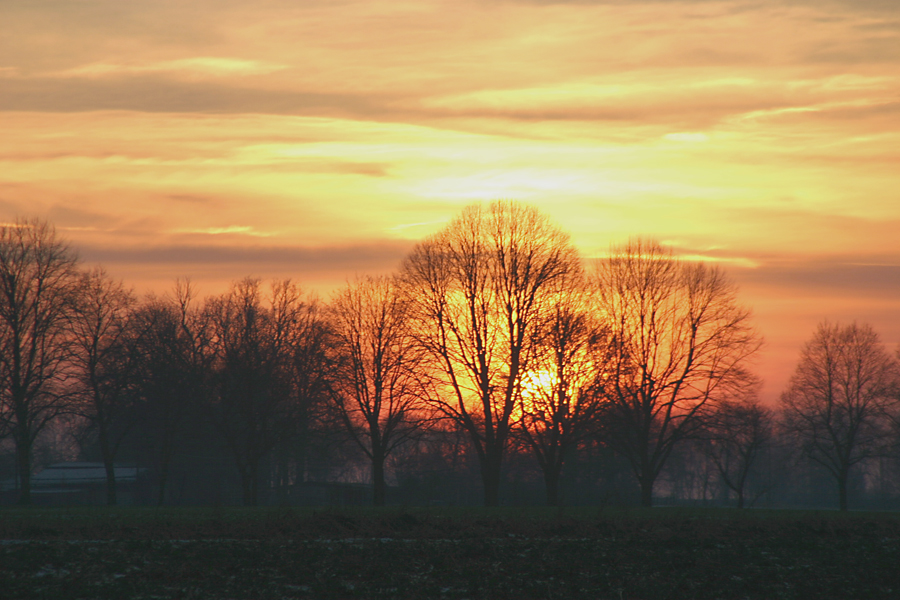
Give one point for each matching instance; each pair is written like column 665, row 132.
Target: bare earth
column 504, row 553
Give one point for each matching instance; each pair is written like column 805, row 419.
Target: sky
column 321, row 139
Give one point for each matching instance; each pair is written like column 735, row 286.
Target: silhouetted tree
column 105, row 359
column 377, row 389
column 563, row 391
column 838, row 399
column 477, row 291
column 37, row 277
column 311, row 370
column 737, row 432
column 679, row 339
column 256, row 352
column 174, row 376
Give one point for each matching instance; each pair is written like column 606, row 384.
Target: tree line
column 493, row 342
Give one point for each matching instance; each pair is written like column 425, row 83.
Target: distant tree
column 174, row 375
column 105, row 359
column 37, row 280
column 311, row 369
column 377, row 388
column 477, row 291
column 679, row 340
column 838, row 400
column 737, row 432
column 563, row 391
column 257, row 346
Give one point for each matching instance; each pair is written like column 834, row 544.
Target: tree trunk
column 378, row 487
column 490, row 477
column 161, row 496
column 163, row 477
column 109, row 465
column 23, row 460
column 551, row 482
column 647, row 490
column 842, row 489
column 248, row 485
column 740, row 495
column 247, row 495
column 110, row 483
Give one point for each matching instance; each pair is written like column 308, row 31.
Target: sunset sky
column 317, row 139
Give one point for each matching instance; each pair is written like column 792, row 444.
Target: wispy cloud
column 241, row 230
column 344, row 258
column 195, row 66
column 149, row 92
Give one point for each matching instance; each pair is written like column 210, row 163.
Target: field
column 653, row 554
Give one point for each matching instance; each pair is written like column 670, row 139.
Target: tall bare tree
column 105, row 360
column 377, row 387
column 174, row 375
column 478, row 290
column 737, row 433
column 839, row 397
column 37, row 276
column 680, row 340
column 562, row 394
column 311, row 370
column 257, row 349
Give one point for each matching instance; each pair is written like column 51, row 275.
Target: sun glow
column 539, row 385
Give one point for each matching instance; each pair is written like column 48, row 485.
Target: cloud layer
column 320, row 138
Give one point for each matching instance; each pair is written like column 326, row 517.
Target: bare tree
column 256, row 350
column 477, row 290
column 174, row 376
column 311, row 370
column 838, row 399
column 377, row 389
column 562, row 393
column 679, row 340
column 737, row 433
column 37, row 273
column 105, row 335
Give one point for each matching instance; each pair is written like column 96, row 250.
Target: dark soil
column 654, row 555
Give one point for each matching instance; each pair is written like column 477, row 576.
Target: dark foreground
column 656, row 555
